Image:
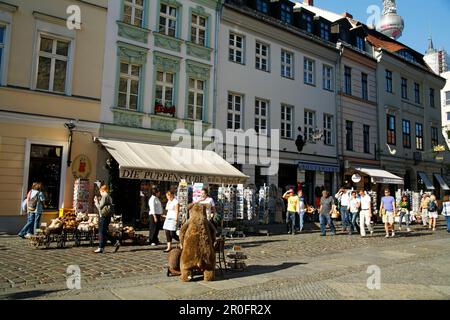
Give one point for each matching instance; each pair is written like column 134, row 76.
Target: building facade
column 50, row 81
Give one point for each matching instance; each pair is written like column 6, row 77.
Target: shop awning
column 442, row 182
column 381, row 176
column 426, row 180
column 141, row 161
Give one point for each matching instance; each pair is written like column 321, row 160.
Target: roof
column 387, row 45
column 331, row 16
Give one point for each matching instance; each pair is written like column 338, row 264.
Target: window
column 165, row 83
column 389, row 81
column 325, row 31
column 52, row 64
column 434, row 137
column 308, row 22
column 129, row 86
column 404, row 88
column 366, row 137
column 328, row 78
column 448, row 116
column 45, row 167
column 262, row 56
column 406, row 130
column 348, row 81
column 198, row 29
column 236, row 48
column 447, row 98
column 391, row 130
column 196, row 100
column 286, row 13
column 262, row 6
column 365, row 87
column 309, row 71
column 286, row 121
column 349, row 135
column 133, row 12
column 234, row 120
column 360, row 43
column 2, row 49
column 287, row 63
column 261, row 116
column 417, row 93
column 432, row 100
column 310, row 124
column 328, row 129
column 168, row 20
column 419, row 136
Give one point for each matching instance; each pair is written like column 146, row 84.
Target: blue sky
column 420, row 20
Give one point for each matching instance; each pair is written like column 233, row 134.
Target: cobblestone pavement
column 304, row 266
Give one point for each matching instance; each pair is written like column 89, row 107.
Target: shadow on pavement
column 250, row 244
column 27, row 294
column 254, row 270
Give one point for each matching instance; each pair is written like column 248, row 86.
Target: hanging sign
column 356, row 178
column 81, row 166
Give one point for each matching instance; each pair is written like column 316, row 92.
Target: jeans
column 301, row 220
column 37, row 221
column 103, row 234
column 354, row 216
column 345, row 217
column 29, row 226
column 404, row 213
column 324, row 220
column 290, row 221
column 448, row 223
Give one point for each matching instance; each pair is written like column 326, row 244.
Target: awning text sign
column 144, row 174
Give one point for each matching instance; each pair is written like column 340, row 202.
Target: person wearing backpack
column 34, row 207
column 106, row 210
column 446, row 211
column 433, row 212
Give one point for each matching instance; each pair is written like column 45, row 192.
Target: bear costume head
column 197, row 238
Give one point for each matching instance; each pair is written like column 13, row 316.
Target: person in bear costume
column 197, row 238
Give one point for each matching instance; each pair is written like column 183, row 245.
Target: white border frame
column 26, row 170
column 5, row 20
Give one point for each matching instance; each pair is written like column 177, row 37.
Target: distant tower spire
column 391, row 24
column 430, row 46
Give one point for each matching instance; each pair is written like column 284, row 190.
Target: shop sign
column 81, row 167
column 144, row 174
column 356, row 178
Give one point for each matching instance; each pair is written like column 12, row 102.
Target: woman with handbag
column 105, row 210
column 33, row 205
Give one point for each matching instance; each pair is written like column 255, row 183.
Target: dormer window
column 307, row 22
column 285, row 13
column 360, row 43
column 262, row 6
column 324, row 31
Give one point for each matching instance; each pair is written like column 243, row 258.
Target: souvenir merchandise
column 249, row 203
column 240, row 202
column 182, row 197
column 81, row 196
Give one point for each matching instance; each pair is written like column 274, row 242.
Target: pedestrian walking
column 344, row 200
column 155, row 216
column 326, row 207
column 405, row 209
column 388, row 211
column 301, row 209
column 171, row 222
column 354, row 207
column 365, row 214
column 424, row 209
column 446, row 211
column 34, row 205
column 432, row 212
column 292, row 204
column 105, row 210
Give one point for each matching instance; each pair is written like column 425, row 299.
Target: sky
column 420, row 20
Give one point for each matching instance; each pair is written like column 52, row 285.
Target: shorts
column 432, row 215
column 388, row 217
column 424, row 212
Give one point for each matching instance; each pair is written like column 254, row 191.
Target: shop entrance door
column 127, row 200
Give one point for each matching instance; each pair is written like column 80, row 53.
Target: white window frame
column 328, row 79
column 285, row 66
column 168, row 18
column 134, row 7
column 261, row 56
column 328, row 128
column 195, row 38
column 285, row 132
column 233, row 110
column 5, row 21
column 309, row 71
column 233, row 48
column 26, row 170
column 447, row 98
column 129, row 77
column 196, row 91
column 310, row 124
column 260, row 129
column 165, row 85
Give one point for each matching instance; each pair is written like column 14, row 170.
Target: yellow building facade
column 51, row 66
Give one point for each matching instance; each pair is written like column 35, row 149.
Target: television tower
column 391, row 24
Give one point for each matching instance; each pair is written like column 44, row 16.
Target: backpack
column 432, row 206
column 32, row 203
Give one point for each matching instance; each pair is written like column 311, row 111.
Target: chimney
column 309, row 2
column 347, row 15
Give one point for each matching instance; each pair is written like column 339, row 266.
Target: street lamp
column 71, row 127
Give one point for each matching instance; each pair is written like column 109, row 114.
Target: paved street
column 306, row 266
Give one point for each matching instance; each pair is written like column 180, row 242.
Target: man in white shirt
column 365, row 215
column 155, row 217
column 344, row 199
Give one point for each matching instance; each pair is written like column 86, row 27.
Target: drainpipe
column 219, row 9
column 339, row 112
